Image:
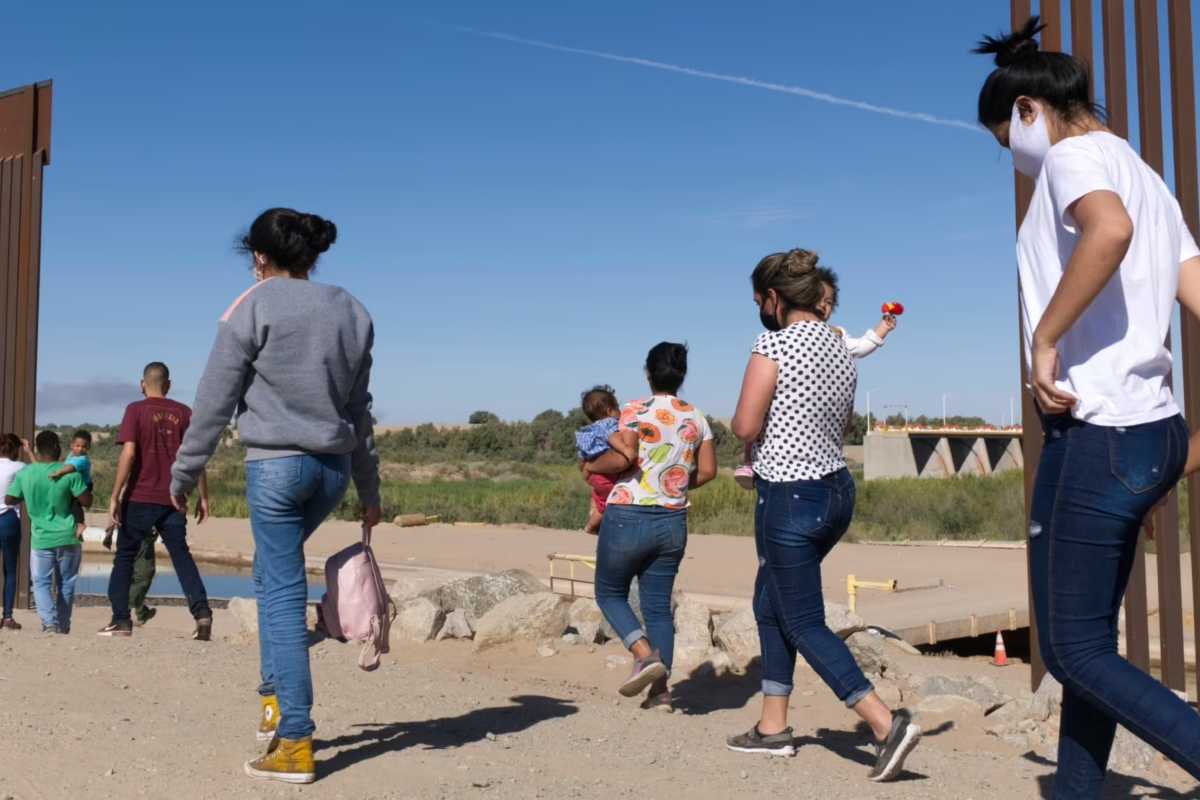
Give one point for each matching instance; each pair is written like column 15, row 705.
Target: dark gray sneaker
column 777, row 744
column 645, row 672
column 890, row 755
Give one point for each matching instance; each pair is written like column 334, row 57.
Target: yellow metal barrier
column 572, row 560
column 853, row 584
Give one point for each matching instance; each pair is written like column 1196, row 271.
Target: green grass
column 500, row 491
column 555, row 497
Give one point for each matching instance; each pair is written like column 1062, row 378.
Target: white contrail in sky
column 799, row 91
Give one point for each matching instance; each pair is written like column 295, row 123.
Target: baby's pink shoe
column 744, row 476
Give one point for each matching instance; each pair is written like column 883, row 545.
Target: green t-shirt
column 48, row 504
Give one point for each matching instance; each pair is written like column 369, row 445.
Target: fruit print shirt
column 670, row 431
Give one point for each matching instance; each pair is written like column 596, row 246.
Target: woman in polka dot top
column 796, row 400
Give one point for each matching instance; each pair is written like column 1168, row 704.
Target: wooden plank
column 1183, row 131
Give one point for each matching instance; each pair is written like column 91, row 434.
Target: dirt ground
column 161, row 716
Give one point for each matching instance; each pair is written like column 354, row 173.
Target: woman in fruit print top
column 644, row 532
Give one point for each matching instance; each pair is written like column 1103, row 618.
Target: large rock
column 1131, row 754
column 456, row 626
column 245, row 611
column 479, row 594
column 737, row 634
column 524, row 616
column 1047, row 700
column 693, row 632
column 981, row 691
column 417, row 620
column 841, row 620
column 949, row 705
column 867, row 649
column 585, row 618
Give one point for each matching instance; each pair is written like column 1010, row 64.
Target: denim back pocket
column 275, row 473
column 801, row 510
column 1137, row 455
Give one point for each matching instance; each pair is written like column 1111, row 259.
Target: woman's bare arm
column 758, row 390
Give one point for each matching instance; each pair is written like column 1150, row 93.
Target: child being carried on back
column 860, row 347
column 602, row 410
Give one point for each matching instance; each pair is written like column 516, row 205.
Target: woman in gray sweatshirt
column 293, row 361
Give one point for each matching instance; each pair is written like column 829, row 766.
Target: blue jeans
column 289, row 497
column 795, row 526
column 10, row 551
column 55, row 565
column 646, row 541
column 139, row 521
column 1094, row 488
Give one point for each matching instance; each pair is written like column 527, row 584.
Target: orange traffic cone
column 1000, row 659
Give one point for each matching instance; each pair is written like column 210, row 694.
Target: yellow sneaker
column 270, row 718
column 287, row 760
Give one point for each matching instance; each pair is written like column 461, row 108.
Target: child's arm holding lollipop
column 872, row 340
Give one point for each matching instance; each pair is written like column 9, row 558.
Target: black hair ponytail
column 1060, row 80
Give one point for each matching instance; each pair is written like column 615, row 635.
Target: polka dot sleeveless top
column 814, row 398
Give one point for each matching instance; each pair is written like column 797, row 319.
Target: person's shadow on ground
column 376, row 739
column 1117, row 786
column 704, row 691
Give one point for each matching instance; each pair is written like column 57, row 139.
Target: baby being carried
column 601, row 408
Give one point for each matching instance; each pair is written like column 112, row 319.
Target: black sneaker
column 777, row 744
column 659, row 698
column 203, row 632
column 50, row 629
column 890, row 754
column 645, row 672
column 116, row 629
column 145, row 614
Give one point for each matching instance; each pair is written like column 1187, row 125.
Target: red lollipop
column 893, row 308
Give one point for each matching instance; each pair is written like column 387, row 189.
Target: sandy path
column 161, row 716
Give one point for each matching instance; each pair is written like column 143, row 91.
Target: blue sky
column 522, row 222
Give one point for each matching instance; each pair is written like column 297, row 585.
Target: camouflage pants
column 143, row 576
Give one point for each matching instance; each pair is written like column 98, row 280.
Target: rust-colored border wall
column 24, row 152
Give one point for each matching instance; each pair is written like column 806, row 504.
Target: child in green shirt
column 56, row 551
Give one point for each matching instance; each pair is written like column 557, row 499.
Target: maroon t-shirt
column 156, row 425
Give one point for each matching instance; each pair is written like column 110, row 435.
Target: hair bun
column 798, row 262
column 319, row 232
column 1013, row 47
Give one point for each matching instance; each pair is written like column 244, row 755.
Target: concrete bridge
column 920, row 453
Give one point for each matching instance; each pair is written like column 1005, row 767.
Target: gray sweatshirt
column 293, row 359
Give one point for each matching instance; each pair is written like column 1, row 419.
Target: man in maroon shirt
column 150, row 434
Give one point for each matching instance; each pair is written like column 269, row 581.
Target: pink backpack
column 356, row 605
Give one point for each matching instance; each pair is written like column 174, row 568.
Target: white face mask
column 1028, row 143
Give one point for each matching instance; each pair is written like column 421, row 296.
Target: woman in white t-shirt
column 11, row 450
column 1103, row 254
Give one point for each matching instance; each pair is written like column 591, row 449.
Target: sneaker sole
column 111, row 634
column 264, row 737
column 786, row 751
column 912, row 735
column 285, row 777
column 638, row 683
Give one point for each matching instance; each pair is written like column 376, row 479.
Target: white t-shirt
column 8, row 469
column 1114, row 358
column 814, row 397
